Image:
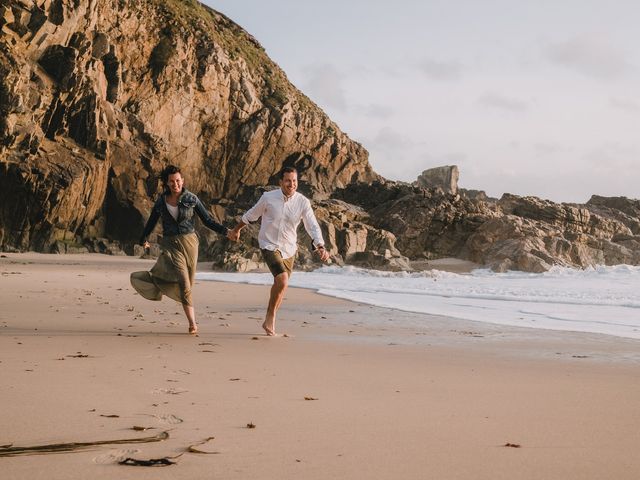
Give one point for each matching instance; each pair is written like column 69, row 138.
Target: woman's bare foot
column 191, row 318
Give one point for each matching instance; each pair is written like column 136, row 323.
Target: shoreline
column 442, row 330
column 85, row 359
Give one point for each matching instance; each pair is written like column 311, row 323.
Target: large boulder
column 445, row 178
column 623, row 209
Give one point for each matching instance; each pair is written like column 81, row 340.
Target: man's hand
column 324, row 255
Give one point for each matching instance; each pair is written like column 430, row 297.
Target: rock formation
column 445, row 178
column 514, row 233
column 97, row 96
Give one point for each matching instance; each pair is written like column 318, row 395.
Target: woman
column 174, row 272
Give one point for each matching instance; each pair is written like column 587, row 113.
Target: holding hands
column 234, row 234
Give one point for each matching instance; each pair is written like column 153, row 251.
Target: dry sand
column 84, row 359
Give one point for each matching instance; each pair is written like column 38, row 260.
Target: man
column 281, row 211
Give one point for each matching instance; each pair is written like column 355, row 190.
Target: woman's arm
column 151, row 223
column 208, row 220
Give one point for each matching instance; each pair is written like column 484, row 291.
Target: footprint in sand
column 168, row 418
column 115, row 456
column 170, row 391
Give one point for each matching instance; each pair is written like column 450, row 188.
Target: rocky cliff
column 512, row 233
column 97, row 96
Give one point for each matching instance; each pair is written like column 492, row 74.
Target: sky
column 531, row 97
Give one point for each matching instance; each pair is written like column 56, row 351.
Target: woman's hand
column 233, row 235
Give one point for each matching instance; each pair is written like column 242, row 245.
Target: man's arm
column 313, row 229
column 253, row 214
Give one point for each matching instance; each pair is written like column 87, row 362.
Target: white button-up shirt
column 280, row 219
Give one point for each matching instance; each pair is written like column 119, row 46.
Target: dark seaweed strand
column 70, row 447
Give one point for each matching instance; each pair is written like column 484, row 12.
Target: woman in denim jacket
column 174, row 272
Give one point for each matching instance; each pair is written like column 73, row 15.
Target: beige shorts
column 276, row 263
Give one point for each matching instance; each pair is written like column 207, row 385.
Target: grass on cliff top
column 191, row 16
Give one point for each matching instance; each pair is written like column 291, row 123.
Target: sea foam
column 597, row 300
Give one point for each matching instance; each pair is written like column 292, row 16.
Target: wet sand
column 84, row 359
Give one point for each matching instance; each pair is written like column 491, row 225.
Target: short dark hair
column 287, row 170
column 168, row 170
column 164, row 175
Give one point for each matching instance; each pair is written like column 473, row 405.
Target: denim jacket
column 188, row 203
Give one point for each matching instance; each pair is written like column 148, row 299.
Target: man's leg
column 278, row 288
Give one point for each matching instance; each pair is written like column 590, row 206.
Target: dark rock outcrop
column 623, row 209
column 514, row 233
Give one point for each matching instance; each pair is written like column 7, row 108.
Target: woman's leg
column 186, row 278
column 190, row 312
column 178, row 271
column 184, row 284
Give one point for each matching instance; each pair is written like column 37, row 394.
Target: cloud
column 496, row 100
column 367, row 71
column 391, row 154
column 388, row 138
column 611, row 170
column 592, row 55
column 376, row 110
column 543, row 149
column 443, row 71
column 432, row 160
column 613, row 157
column 324, row 84
column 625, row 104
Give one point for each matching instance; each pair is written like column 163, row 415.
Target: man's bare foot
column 268, row 328
column 193, row 329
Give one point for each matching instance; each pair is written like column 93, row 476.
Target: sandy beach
column 85, row 359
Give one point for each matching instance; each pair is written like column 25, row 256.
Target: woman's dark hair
column 164, row 175
column 287, row 170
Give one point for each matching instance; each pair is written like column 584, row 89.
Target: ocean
column 603, row 300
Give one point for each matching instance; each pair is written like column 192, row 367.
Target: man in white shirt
column 281, row 211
